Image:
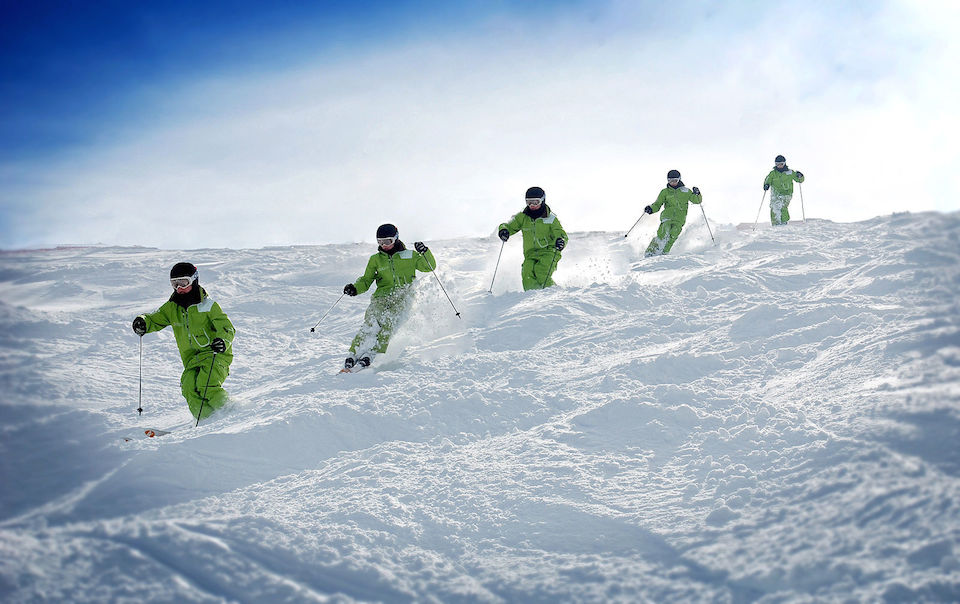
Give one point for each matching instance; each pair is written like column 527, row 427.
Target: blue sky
column 71, row 67
column 186, row 125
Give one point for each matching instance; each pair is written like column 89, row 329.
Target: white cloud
column 443, row 135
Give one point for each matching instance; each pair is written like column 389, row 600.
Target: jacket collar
column 543, row 212
column 194, row 296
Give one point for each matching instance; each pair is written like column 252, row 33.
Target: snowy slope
column 771, row 419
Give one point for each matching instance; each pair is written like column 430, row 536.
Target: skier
column 543, row 239
column 781, row 179
column 393, row 268
column 673, row 199
column 204, row 336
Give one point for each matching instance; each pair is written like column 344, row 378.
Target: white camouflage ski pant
column 779, row 208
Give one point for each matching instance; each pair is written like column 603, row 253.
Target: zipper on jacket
column 190, row 336
column 541, row 243
column 393, row 269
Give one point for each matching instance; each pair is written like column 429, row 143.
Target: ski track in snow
column 774, row 418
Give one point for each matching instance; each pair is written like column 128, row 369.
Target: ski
column 149, row 433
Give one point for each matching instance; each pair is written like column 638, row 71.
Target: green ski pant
column 381, row 319
column 666, row 236
column 193, row 382
column 536, row 272
column 779, row 208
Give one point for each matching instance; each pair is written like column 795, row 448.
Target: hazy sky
column 208, row 124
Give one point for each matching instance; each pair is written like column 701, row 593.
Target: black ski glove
column 799, row 174
column 504, row 234
column 766, row 186
column 560, row 243
column 648, row 210
column 420, row 247
column 139, row 326
column 218, row 345
column 696, row 191
column 350, row 289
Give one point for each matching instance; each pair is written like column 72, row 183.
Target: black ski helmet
column 183, row 269
column 387, row 230
column 673, row 174
column 779, row 159
column 535, row 193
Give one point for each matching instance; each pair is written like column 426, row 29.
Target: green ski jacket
column 392, row 271
column 782, row 182
column 194, row 327
column 539, row 234
column 674, row 203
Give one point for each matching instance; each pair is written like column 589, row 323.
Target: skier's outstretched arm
column 695, row 195
column 661, row 199
column 155, row 321
column 513, row 225
column 426, row 262
column 557, row 232
column 222, row 326
column 364, row 282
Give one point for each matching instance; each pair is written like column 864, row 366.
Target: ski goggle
column 535, row 201
column 673, row 181
column 780, row 164
column 181, row 282
column 385, row 241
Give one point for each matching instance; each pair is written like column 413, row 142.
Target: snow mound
column 771, row 418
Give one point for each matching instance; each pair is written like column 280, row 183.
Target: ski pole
column 758, row 210
column 547, row 278
column 328, row 312
column 635, row 224
column 802, row 210
column 203, row 399
column 708, row 224
column 502, row 243
column 442, row 287
column 140, row 400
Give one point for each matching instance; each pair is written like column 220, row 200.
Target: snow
column 771, row 419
